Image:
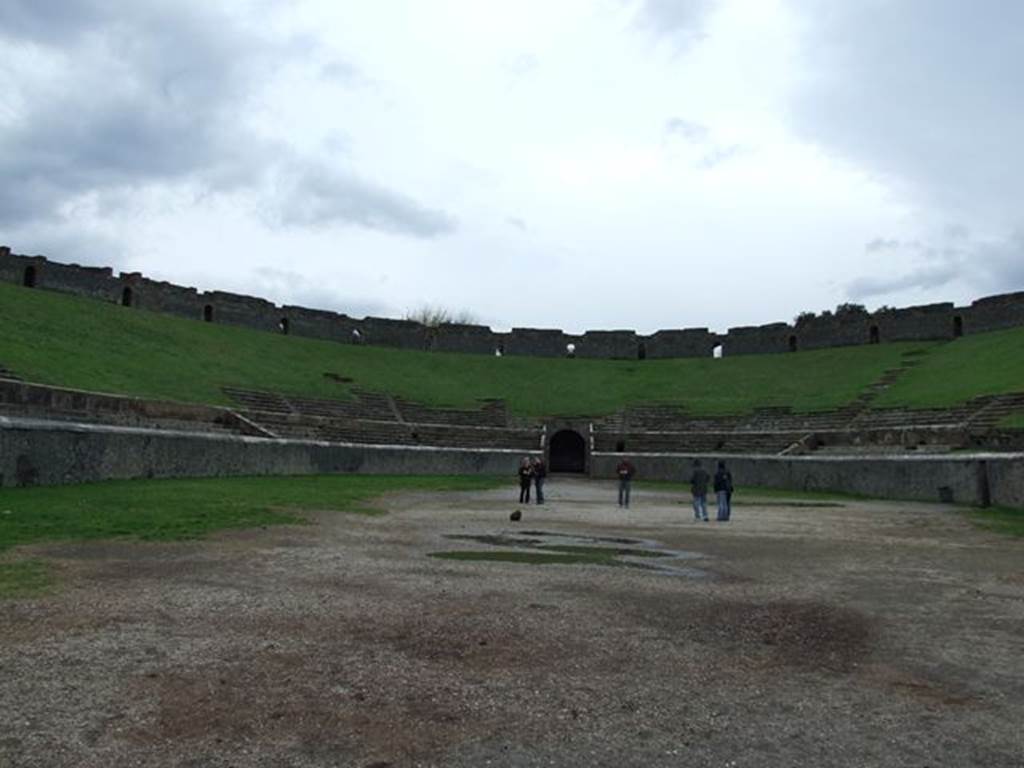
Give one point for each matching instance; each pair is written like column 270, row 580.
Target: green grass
column 1012, row 421
column 982, row 364
column 24, row 578
column 999, row 519
column 156, row 510
column 75, row 342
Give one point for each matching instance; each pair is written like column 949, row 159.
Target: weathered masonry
column 132, row 289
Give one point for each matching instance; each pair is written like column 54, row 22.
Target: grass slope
column 75, row 342
column 983, row 364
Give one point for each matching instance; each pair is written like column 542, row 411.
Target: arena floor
column 864, row 634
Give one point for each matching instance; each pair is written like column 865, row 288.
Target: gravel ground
column 871, row 634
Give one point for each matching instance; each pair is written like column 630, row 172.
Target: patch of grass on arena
column 24, row 578
column 1000, row 519
column 161, row 510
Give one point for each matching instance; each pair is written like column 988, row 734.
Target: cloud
column 286, row 287
column 314, row 196
column 127, row 97
column 687, row 129
column 518, row 223
column 923, row 93
column 680, row 20
column 988, row 266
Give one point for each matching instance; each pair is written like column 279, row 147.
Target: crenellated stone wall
column 929, row 322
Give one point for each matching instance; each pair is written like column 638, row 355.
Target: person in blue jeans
column 723, row 492
column 625, row 471
column 699, row 489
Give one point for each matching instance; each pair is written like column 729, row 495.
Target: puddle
column 547, row 548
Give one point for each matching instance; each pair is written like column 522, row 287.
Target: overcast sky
column 560, row 163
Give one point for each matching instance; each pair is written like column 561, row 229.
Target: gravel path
column 870, row 634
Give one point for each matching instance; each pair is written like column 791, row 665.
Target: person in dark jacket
column 723, row 492
column 625, row 472
column 540, row 471
column 525, row 478
column 699, row 489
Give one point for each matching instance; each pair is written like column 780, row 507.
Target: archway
column 126, row 297
column 792, row 343
column 208, row 313
column 567, row 452
column 958, row 327
column 29, row 279
column 873, row 335
column 284, row 326
column 641, row 351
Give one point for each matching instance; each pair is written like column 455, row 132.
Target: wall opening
column 567, row 452
column 499, row 350
column 958, row 327
column 208, row 313
column 717, row 351
column 620, row 446
column 792, row 343
column 873, row 335
column 126, row 297
column 29, row 278
column 284, row 326
column 357, row 337
column 570, row 350
column 641, row 351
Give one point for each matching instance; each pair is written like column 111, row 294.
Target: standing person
column 525, row 478
column 699, row 489
column 540, row 471
column 723, row 492
column 625, row 471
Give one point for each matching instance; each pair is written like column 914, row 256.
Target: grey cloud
column 288, row 287
column 687, row 129
column 922, row 278
column 881, row 244
column 718, row 155
column 681, row 20
column 311, row 195
column 925, row 93
column 987, row 266
column 518, row 223
column 157, row 96
column 49, row 22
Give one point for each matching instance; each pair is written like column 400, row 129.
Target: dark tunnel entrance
column 568, row 452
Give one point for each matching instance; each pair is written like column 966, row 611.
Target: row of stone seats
column 493, row 414
column 695, row 442
column 371, row 432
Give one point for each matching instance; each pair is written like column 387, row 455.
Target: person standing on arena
column 540, row 471
column 723, row 492
column 625, row 471
column 525, row 478
column 699, row 489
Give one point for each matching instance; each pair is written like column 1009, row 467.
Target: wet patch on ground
column 549, row 548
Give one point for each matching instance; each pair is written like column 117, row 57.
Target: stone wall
column 965, row 479
column 53, row 453
column 934, row 321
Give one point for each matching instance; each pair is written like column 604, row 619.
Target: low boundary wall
column 36, row 452
column 976, row 478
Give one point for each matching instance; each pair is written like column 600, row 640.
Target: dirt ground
column 869, row 634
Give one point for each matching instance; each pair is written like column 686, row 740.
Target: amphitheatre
column 236, row 533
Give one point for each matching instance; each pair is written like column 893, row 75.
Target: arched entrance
column 29, row 278
column 567, row 452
